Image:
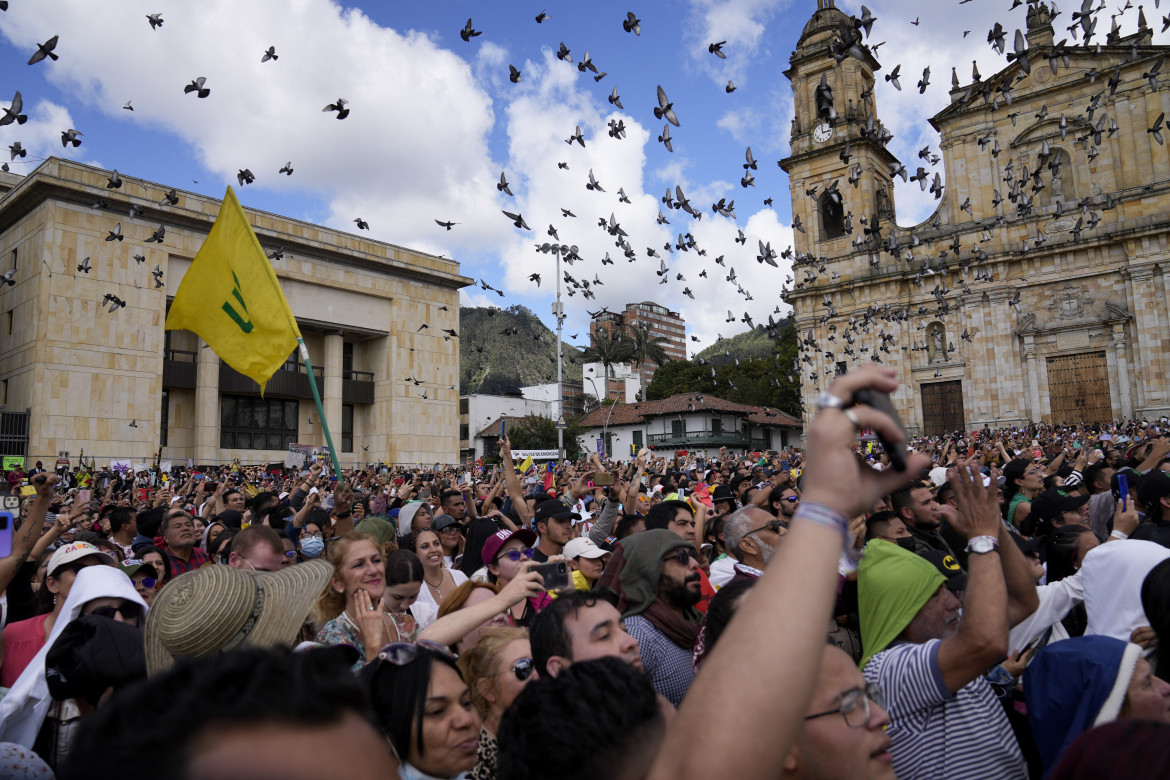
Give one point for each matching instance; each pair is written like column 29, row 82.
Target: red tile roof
column 629, row 414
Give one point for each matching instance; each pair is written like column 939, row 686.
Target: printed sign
column 535, row 454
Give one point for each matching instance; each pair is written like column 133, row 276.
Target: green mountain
column 502, row 350
column 754, row 343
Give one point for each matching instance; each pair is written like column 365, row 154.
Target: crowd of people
column 994, row 610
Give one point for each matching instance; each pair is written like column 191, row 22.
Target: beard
column 680, row 594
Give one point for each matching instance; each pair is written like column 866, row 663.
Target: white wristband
column 1118, row 535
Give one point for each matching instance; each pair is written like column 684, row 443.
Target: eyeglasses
column 515, row 555
column 406, row 653
column 772, row 525
column 451, row 529
column 523, row 668
column 854, row 706
column 790, row 499
column 317, row 535
column 147, row 582
column 127, row 609
column 683, row 555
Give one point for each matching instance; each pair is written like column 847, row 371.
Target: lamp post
column 559, row 312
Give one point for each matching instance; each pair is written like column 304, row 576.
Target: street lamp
column 559, row 312
column 605, row 424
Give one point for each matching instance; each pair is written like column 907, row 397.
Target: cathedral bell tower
column 839, row 169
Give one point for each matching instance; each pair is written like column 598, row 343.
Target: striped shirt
column 935, row 734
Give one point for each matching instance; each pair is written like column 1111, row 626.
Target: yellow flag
column 525, row 465
column 231, row 298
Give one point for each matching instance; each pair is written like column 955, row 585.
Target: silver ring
column 371, row 609
column 830, row 401
column 852, row 417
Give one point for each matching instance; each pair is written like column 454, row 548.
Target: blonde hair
column 331, row 603
column 479, row 663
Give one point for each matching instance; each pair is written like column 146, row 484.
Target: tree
column 540, row 433
column 608, row 349
column 644, row 347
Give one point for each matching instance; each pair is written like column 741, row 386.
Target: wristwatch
column 982, row 544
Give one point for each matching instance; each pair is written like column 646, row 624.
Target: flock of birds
column 912, row 247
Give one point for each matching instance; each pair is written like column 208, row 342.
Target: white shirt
column 1056, row 599
column 722, row 570
column 426, row 597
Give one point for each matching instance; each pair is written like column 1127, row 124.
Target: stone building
column 116, row 385
column 659, row 321
column 1037, row 291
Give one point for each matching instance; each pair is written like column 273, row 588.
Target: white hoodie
column 23, row 710
column 1112, row 575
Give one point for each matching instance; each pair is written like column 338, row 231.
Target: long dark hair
column 1156, row 603
column 1011, row 472
column 399, row 695
column 479, row 531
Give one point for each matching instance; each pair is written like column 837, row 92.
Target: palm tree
column 608, row 349
column 646, row 347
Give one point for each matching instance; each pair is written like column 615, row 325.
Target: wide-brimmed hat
column 216, row 609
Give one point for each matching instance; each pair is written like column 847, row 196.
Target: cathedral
column 1037, row 291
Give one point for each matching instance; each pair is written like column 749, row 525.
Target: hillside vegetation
column 502, row 350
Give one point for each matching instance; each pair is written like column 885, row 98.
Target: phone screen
column 5, row 534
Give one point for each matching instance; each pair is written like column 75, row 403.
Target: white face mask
column 312, row 547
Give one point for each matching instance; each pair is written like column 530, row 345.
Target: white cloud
column 741, row 23
column 41, row 136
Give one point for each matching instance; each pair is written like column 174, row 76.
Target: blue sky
column 434, row 121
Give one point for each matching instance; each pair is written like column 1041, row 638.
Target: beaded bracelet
column 824, row 516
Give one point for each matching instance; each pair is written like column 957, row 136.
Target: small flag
column 231, row 298
column 526, row 466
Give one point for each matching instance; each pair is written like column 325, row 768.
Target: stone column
column 1147, row 329
column 331, row 395
column 206, row 405
column 1123, row 387
column 1033, row 379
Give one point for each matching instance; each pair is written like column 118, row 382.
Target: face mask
column 312, row 547
column 906, row 543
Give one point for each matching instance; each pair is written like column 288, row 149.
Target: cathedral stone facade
column 1038, row 290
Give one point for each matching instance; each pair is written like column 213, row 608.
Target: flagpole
column 317, row 401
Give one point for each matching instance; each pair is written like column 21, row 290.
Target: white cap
column 75, row 551
column 582, row 546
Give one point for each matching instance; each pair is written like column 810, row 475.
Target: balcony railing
column 701, row 438
column 357, row 387
column 285, row 382
column 179, row 369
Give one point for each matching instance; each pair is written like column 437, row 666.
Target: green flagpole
column 317, row 401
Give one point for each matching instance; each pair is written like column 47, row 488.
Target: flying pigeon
column 197, row 87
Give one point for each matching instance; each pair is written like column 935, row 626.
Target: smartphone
column 603, row 479
column 881, row 401
column 5, row 534
column 143, row 494
column 502, row 423
column 84, row 496
column 1123, row 490
column 211, row 486
column 399, row 481
column 555, row 575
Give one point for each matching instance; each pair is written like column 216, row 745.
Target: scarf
column 682, row 630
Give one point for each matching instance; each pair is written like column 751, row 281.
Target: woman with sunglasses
column 507, row 555
column 496, row 670
column 438, row 580
column 424, row 708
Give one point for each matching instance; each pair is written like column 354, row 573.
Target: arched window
column 832, row 216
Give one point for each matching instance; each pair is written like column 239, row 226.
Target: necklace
column 435, row 588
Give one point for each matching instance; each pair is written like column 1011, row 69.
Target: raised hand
column 978, row 504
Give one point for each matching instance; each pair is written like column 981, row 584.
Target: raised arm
column 515, row 492
column 26, row 537
column 982, row 639
column 761, row 702
column 452, row 627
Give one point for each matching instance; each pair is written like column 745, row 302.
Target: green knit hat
column 892, row 586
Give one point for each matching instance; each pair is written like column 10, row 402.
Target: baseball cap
column 553, row 509
column 1052, row 502
column 491, row 548
column 130, row 567
column 443, row 521
column 949, row 567
column 582, row 546
column 75, row 552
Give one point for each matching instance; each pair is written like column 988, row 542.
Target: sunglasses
column 127, row 609
column 683, row 555
column 791, row 499
column 147, row 582
column 523, row 668
column 515, row 555
column 406, row 653
column 772, row 525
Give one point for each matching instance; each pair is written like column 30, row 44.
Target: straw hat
column 216, row 609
